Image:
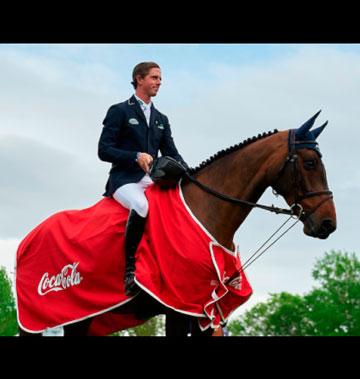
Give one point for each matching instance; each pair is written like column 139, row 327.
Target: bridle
column 296, row 208
column 292, row 158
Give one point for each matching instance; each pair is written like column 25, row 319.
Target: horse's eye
column 310, row 164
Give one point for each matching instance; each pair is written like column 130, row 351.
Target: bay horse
column 223, row 190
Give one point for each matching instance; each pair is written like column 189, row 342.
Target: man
column 134, row 131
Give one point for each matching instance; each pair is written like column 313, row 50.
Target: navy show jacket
column 125, row 133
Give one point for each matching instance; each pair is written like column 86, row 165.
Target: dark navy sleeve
column 167, row 145
column 107, row 149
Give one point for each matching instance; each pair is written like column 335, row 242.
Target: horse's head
column 302, row 181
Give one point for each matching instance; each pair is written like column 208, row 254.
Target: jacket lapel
column 135, row 104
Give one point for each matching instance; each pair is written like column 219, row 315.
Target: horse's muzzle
column 322, row 230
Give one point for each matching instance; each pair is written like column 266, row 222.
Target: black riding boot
column 134, row 231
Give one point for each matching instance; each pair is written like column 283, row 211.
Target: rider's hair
column 142, row 69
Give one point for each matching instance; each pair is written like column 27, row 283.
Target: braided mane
column 229, row 150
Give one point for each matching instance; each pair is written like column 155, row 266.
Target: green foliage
column 153, row 327
column 332, row 309
column 8, row 322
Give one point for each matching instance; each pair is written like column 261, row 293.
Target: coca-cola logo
column 236, row 283
column 68, row 277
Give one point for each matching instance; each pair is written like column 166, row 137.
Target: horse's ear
column 316, row 132
column 307, row 125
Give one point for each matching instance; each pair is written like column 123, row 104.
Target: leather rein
column 292, row 159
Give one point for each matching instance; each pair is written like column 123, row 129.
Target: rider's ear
column 139, row 79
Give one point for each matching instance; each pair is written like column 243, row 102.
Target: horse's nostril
column 328, row 225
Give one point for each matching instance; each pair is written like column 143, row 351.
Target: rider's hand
column 145, row 160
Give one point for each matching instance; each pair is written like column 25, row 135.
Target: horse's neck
column 243, row 174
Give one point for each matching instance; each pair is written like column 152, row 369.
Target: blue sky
column 193, row 56
column 53, row 99
column 173, row 57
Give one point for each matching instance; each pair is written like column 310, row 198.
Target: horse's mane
column 224, row 152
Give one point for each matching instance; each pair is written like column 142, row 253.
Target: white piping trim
column 224, row 320
column 209, row 325
column 220, row 312
column 205, row 327
column 162, row 302
column 216, row 298
column 233, row 253
column 79, row 319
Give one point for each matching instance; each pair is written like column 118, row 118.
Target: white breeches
column 132, row 195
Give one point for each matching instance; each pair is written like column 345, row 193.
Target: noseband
column 292, row 158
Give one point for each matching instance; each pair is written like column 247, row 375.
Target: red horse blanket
column 70, row 267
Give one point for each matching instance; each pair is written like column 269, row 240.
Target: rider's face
column 150, row 84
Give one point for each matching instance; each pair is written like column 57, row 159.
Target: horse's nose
column 327, row 226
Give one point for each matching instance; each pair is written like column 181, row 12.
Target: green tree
column 282, row 314
column 331, row 309
column 8, row 322
column 334, row 307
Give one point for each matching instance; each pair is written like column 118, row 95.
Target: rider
column 133, row 133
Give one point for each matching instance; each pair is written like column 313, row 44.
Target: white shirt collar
column 142, row 102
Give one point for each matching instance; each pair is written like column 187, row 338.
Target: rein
column 238, row 201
